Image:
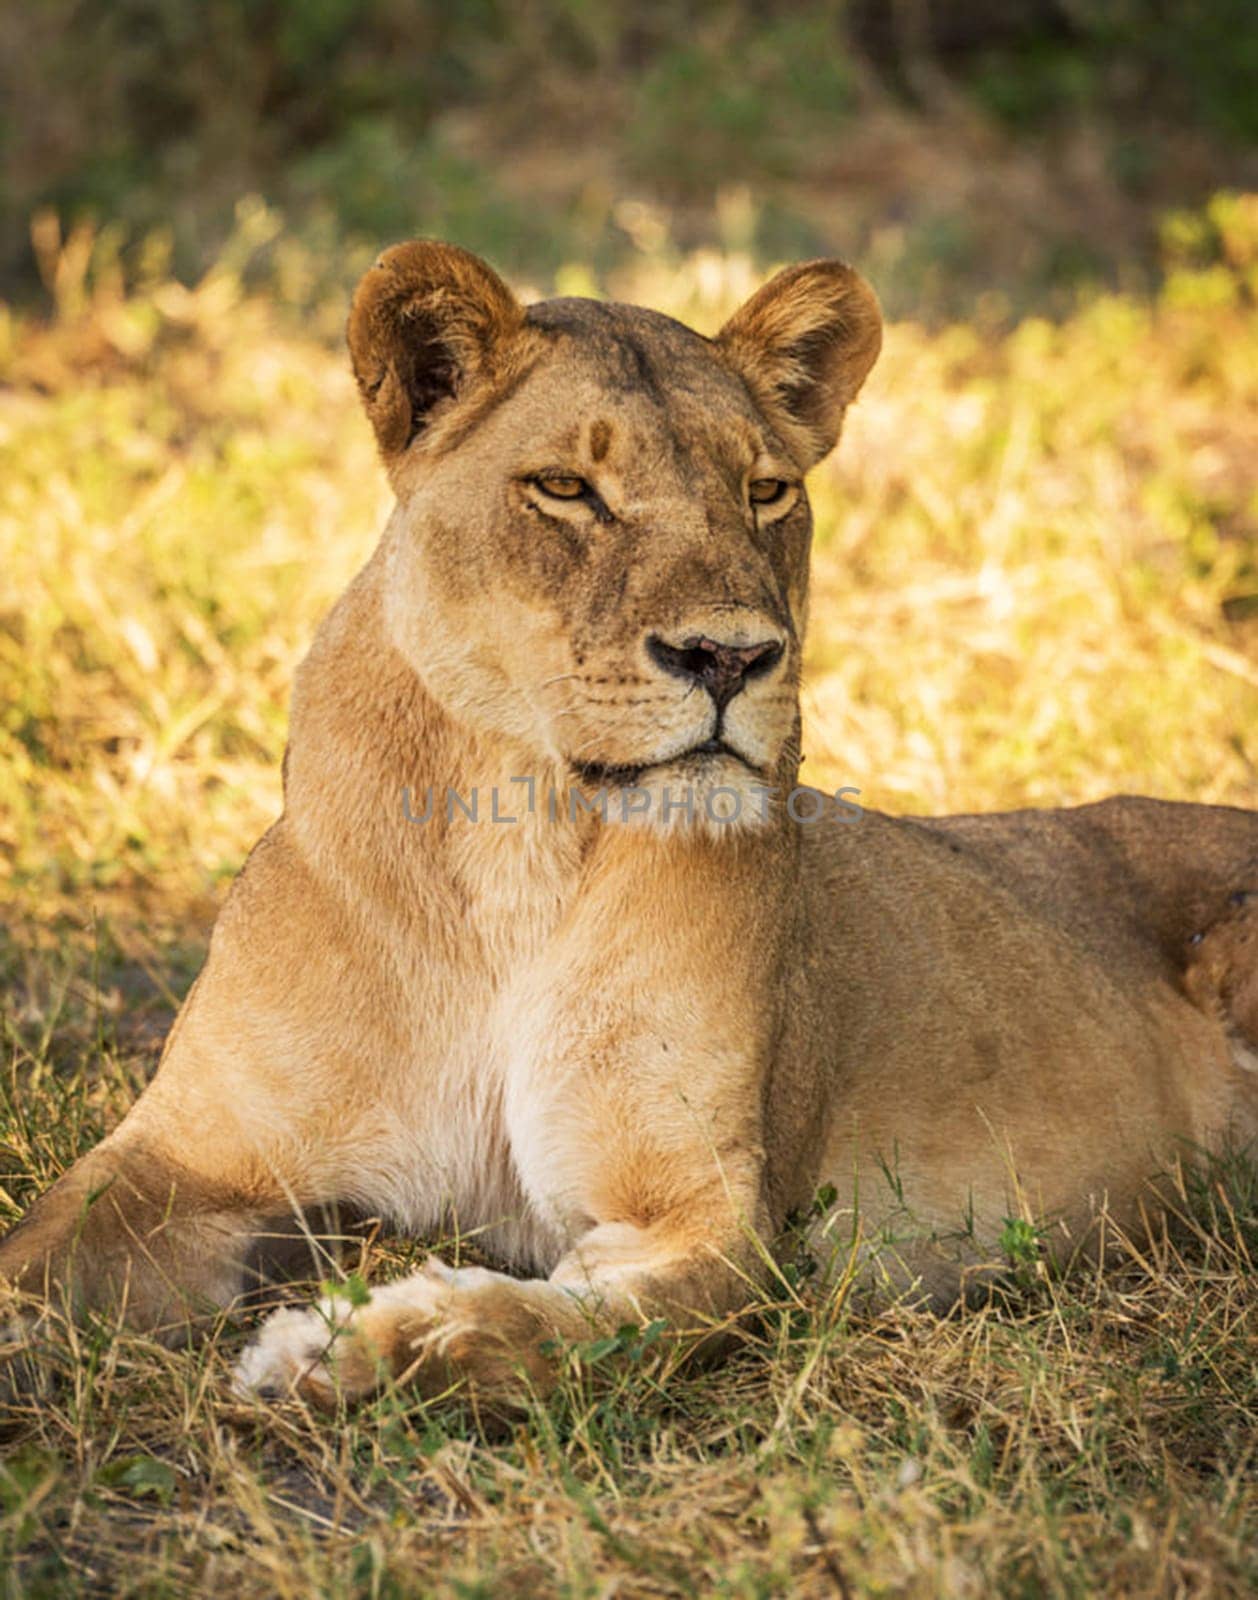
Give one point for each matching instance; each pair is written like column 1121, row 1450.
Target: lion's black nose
column 722, row 669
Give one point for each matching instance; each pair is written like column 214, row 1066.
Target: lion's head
column 600, row 549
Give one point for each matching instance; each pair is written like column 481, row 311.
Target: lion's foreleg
column 656, row 1177
column 131, row 1231
column 500, row 1337
column 633, row 1103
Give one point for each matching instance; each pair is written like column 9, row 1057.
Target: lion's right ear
column 428, row 323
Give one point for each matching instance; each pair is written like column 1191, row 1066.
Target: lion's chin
column 711, row 791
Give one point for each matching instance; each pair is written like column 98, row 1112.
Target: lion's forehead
column 632, row 337
column 650, row 374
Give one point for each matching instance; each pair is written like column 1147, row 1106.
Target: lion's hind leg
column 1221, row 974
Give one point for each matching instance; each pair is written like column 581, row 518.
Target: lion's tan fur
column 625, row 1054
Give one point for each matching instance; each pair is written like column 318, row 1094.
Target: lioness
column 624, row 1035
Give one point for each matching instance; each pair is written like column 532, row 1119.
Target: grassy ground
column 1036, row 582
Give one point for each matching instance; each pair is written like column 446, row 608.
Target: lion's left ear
column 805, row 344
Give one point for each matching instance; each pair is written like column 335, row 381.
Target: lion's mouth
column 602, row 774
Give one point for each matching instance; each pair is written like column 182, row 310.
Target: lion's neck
column 404, row 806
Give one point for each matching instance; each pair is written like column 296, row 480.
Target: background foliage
column 522, row 127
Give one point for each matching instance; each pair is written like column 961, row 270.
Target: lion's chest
column 440, row 1156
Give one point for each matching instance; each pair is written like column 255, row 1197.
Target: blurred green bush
column 372, row 118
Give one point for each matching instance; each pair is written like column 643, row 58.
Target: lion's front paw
column 290, row 1355
column 339, row 1350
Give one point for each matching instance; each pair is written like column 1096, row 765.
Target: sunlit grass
column 1035, row 583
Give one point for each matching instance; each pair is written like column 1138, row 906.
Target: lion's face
column 612, row 566
column 601, row 543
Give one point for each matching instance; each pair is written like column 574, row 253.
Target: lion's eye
column 767, row 491
column 559, row 487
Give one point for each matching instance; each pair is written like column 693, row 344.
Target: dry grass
column 1035, row 578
